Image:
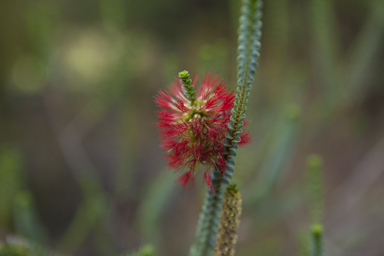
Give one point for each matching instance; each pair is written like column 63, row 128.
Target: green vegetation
column 81, row 171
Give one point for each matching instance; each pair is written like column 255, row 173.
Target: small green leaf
column 228, row 135
column 236, row 139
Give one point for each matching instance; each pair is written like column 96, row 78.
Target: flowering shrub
column 193, row 127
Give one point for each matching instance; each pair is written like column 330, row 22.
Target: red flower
column 193, row 134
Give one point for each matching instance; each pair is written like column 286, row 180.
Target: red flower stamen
column 193, row 134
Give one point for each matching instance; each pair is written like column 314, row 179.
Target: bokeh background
column 81, row 171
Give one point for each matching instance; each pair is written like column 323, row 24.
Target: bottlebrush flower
column 193, row 125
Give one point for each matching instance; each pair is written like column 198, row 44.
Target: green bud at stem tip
column 317, row 229
column 184, row 75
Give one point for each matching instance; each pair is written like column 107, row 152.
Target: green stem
column 229, row 222
column 316, row 242
column 278, row 157
column 326, row 50
column 249, row 45
column 364, row 52
column 314, row 163
column 188, row 87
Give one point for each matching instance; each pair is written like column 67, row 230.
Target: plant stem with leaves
column 248, row 54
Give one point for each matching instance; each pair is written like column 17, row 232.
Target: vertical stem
column 188, row 87
column 229, row 222
column 314, row 163
column 316, row 243
column 248, row 49
column 325, row 46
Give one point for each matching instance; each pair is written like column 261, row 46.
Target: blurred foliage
column 10, row 182
column 27, row 223
column 80, row 167
column 146, row 250
column 15, row 246
column 316, row 241
column 155, row 203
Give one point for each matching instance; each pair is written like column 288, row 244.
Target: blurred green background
column 81, row 171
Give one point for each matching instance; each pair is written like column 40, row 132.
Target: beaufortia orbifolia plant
column 193, row 125
column 203, row 126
